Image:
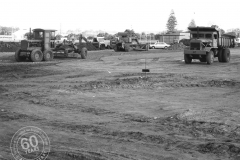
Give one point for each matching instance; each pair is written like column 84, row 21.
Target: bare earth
column 105, row 108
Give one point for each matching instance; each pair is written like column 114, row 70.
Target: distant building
column 20, row 34
column 6, row 38
column 170, row 38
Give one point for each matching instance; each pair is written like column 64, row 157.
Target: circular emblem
column 30, row 143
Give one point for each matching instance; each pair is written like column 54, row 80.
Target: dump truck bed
column 226, row 41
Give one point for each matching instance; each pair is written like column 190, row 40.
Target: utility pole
column 60, row 29
column 12, row 32
column 150, row 38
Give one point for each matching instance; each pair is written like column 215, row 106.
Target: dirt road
column 105, row 108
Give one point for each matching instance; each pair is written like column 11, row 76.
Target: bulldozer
column 42, row 47
column 126, row 42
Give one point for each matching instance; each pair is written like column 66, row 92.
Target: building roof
column 21, row 31
column 211, row 29
column 41, row 29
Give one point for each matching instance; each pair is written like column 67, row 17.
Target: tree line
column 108, row 36
column 172, row 23
column 170, row 28
column 7, row 30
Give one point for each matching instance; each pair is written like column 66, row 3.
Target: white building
column 6, row 38
column 19, row 35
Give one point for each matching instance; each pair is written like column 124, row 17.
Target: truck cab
column 208, row 39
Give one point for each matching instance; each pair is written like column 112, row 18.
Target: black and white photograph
column 119, row 80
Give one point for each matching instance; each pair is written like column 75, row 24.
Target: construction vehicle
column 126, row 42
column 207, row 43
column 101, row 43
column 42, row 47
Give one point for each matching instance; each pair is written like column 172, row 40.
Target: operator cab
column 38, row 35
column 46, row 35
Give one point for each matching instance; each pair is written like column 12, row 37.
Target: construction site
column 106, row 107
column 120, row 96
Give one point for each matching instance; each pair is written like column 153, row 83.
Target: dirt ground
column 104, row 107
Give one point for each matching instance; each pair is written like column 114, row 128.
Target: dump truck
column 126, row 42
column 206, row 43
column 42, row 47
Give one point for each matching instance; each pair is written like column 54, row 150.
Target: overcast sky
column 111, row 15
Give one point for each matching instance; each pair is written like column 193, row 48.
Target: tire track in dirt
column 82, row 154
column 223, row 143
column 151, row 82
column 12, row 116
column 170, row 141
column 174, row 126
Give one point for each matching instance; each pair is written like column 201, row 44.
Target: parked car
column 159, row 45
column 237, row 42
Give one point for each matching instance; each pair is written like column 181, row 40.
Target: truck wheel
column 210, row 57
column 47, row 55
column 84, row 53
column 187, row 59
column 36, row 55
column 226, row 55
column 18, row 57
column 203, row 59
column 220, row 55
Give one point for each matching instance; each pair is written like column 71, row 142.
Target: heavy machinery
column 42, row 47
column 127, row 42
column 101, row 43
column 207, row 43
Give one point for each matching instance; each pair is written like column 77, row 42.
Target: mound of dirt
column 9, row 46
column 186, row 42
column 177, row 46
column 89, row 46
